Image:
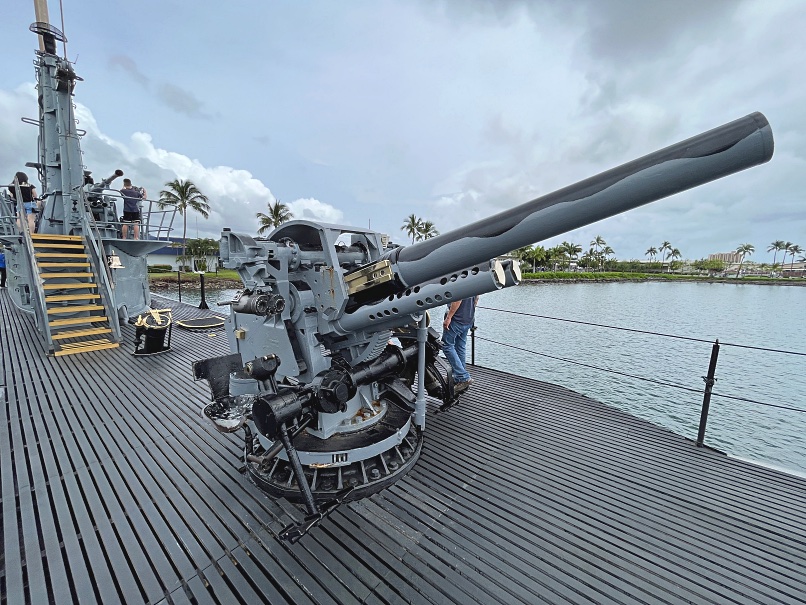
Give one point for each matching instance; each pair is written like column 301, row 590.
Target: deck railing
column 709, row 378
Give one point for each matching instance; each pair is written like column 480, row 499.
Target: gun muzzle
column 108, row 181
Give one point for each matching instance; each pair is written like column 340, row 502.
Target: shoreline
column 224, row 283
column 703, row 280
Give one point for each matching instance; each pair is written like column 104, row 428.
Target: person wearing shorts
column 131, row 208
column 29, row 202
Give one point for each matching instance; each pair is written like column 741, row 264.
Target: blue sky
column 368, row 111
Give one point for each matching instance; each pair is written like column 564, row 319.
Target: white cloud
column 313, row 210
column 235, row 195
column 451, row 110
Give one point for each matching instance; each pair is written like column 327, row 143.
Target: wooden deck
column 115, row 490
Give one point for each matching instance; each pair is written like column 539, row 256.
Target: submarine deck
column 115, row 490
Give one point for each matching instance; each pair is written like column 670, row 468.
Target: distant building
column 726, row 257
column 796, row 269
column 168, row 256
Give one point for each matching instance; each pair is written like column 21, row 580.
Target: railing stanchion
column 203, row 303
column 706, row 398
column 179, row 281
column 473, row 345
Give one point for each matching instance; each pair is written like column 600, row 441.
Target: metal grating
column 115, row 490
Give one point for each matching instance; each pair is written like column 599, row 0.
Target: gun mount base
column 391, row 458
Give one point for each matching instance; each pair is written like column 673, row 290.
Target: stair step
column 74, row 308
column 58, row 255
column 78, row 333
column 88, row 286
column 54, row 275
column 64, row 264
column 62, row 297
column 72, row 321
column 84, row 347
column 59, row 246
column 55, row 236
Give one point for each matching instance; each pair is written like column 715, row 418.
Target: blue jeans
column 454, row 343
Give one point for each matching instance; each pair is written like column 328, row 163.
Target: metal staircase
column 76, row 314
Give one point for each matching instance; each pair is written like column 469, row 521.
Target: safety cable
column 652, row 380
column 587, row 323
column 586, row 365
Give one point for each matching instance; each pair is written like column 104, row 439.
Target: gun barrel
column 108, row 181
column 396, row 311
column 706, row 157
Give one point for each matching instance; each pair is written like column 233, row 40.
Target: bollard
column 203, row 303
column 179, row 281
column 706, row 399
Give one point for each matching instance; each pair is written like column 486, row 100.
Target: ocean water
column 736, row 314
column 759, row 420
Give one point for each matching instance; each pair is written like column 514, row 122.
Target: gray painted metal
column 115, row 490
column 730, row 148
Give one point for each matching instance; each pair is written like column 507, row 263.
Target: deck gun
column 331, row 410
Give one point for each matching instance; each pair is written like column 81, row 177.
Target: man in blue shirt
column 131, row 207
column 458, row 321
column 2, row 268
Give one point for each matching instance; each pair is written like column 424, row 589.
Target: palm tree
column 777, row 245
column 572, row 250
column 743, row 251
column 427, row 230
column 278, row 214
column 525, row 255
column 674, row 254
column 412, row 226
column 606, row 251
column 598, row 244
column 664, row 247
column 793, row 250
column 184, row 196
column 199, row 250
column 555, row 254
column 651, row 253
column 786, row 248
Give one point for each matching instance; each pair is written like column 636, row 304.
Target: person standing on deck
column 29, row 200
column 2, row 267
column 131, row 208
column 458, row 321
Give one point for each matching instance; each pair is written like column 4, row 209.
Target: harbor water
column 754, row 412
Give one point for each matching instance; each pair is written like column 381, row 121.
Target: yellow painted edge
column 78, row 333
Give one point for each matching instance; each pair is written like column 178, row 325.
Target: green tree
column 793, row 250
column 742, row 251
column 785, row 249
column 674, row 254
column 570, row 250
column 184, row 196
column 412, row 226
column 427, row 230
column 278, row 214
column 555, row 255
column 606, row 253
column 198, row 250
column 664, row 248
column 525, row 255
column 598, row 244
column 777, row 245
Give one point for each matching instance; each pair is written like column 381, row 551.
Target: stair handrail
column 36, row 289
column 106, row 287
column 7, row 217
